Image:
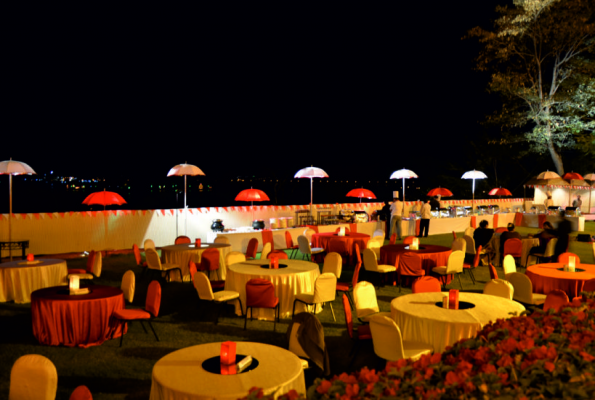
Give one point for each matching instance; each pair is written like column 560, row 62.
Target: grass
column 113, row 372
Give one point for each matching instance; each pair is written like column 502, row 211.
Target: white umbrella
column 11, row 168
column 185, row 169
column 311, row 172
column 473, row 175
column 548, row 175
column 403, row 174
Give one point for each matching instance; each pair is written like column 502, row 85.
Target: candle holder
column 198, row 242
column 274, row 263
column 414, row 244
column 453, row 299
column 74, row 286
column 30, row 257
column 228, row 353
column 341, row 231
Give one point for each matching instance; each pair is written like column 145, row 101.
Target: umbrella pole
column 185, row 215
column 473, row 201
column 311, row 196
column 10, row 216
column 403, row 189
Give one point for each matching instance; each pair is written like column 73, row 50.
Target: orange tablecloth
column 351, row 239
column 78, row 320
column 546, row 277
column 431, row 256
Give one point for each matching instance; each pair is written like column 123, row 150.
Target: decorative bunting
column 50, row 215
column 36, row 215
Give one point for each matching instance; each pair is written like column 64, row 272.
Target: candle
column 453, row 299
column 74, row 282
column 342, row 231
column 228, row 353
column 415, row 244
column 445, row 301
column 571, row 263
column 30, row 257
column 198, row 242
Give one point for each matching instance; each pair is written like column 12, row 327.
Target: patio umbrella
column 572, row 175
column 104, row 198
column 11, row 168
column 548, row 175
column 185, row 169
column 361, row 193
column 403, row 174
column 311, row 172
column 440, row 191
column 500, row 192
column 252, row 195
column 473, row 175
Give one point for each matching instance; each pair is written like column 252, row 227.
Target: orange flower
column 488, row 369
column 586, row 356
column 323, row 387
column 549, row 366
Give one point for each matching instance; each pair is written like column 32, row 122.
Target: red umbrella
column 104, row 198
column 440, row 191
column 572, row 175
column 252, row 195
column 500, row 192
column 365, row 193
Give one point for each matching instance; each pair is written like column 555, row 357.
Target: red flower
column 549, row 366
column 323, row 387
column 369, row 376
column 586, row 356
column 256, row 392
column 526, row 344
column 352, row 390
column 505, row 361
column 451, row 379
column 436, row 358
column 488, row 369
column 429, row 373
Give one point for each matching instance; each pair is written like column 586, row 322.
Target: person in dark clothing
column 544, row 237
column 434, row 203
column 563, row 233
column 509, row 234
column 482, row 235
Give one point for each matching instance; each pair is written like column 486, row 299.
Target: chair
column 408, row 240
column 138, row 258
column 266, row 249
column 371, row 263
column 192, row 269
column 379, row 232
column 333, row 263
column 183, row 240
column 523, row 289
column 471, row 267
column 234, row 257
column 409, row 265
column 33, row 377
column 96, row 267
column 280, row 254
column 252, row 249
column 454, row 265
column 305, row 248
column 289, row 244
column 324, row 292
column 260, row 293
column 363, row 331
column 209, row 261
column 493, row 272
column 513, row 247
column 309, row 232
column 546, row 255
column 221, row 240
column 205, row 292
column 306, row 332
column 426, row 284
column 89, row 266
column 563, row 258
column 500, row 288
column 128, row 285
column 151, row 311
column 389, row 344
column 555, row 299
column 81, row 393
column 374, row 244
column 459, row 244
column 366, row 303
column 393, row 239
column 508, row 265
column 469, row 231
column 154, row 264
column 345, row 288
column 454, row 235
column 500, row 230
column 149, row 244
column 470, row 247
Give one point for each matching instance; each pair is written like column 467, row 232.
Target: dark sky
column 360, row 89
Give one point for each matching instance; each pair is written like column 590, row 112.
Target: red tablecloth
column 78, row 320
column 546, row 277
column 351, row 239
column 431, row 256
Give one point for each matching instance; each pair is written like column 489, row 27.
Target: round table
column 431, row 255
column 181, row 254
column 180, row 375
column 322, row 240
column 78, row 320
column 298, row 277
column 18, row 279
column 420, row 319
column 546, row 277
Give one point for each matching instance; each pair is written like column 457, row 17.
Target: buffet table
column 547, row 277
column 181, row 376
column 420, row 319
column 77, row 320
column 181, row 254
column 18, row 279
column 432, row 256
column 298, row 277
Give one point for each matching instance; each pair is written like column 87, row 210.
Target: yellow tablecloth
column 18, row 281
column 420, row 319
column 181, row 254
column 298, row 277
column 179, row 375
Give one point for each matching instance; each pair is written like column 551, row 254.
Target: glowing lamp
column 571, row 263
column 453, row 299
column 74, row 283
column 30, row 257
column 414, row 244
column 341, row 231
column 228, row 353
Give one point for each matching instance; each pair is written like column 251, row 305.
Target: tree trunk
column 555, row 157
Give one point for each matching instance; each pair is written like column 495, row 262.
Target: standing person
column 396, row 211
column 577, row 202
column 424, row 224
column 385, row 215
column 563, row 233
column 548, row 202
column 434, row 203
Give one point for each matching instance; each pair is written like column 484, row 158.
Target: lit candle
column 414, row 244
column 74, row 282
column 571, row 263
column 30, row 257
column 453, row 299
column 342, row 231
column 228, row 353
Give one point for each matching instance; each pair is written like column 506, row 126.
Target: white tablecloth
column 298, row 277
column 532, row 221
column 18, row 281
column 420, row 319
column 179, row 375
column 181, row 254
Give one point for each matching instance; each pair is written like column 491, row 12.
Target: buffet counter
column 447, row 225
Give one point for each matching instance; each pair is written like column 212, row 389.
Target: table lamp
column 30, row 257
column 453, row 299
column 198, row 242
column 228, row 353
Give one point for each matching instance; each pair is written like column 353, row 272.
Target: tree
column 540, row 56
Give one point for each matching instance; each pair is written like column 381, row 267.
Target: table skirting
column 181, row 254
column 546, row 277
column 17, row 281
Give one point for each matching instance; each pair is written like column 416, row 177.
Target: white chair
column 389, row 343
column 266, row 249
column 149, row 244
column 305, row 249
column 128, row 285
column 379, row 233
column 366, row 303
column 371, row 263
column 454, row 265
column 374, row 244
column 33, row 377
column 309, row 232
column 324, row 292
column 459, row 244
column 205, row 292
column 500, row 288
column 221, row 240
column 523, row 289
column 333, row 263
column 470, row 244
column 508, row 265
column 234, row 257
column 154, row 264
column 469, row 231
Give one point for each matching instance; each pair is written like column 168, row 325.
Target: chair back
column 192, row 269
column 550, row 248
column 500, row 230
column 252, row 249
column 288, row 240
column 455, row 262
column 370, row 262
column 393, row 239
column 387, row 338
column 81, row 393
column 128, row 285
column 454, row 235
column 339, row 229
column 589, row 286
column 260, row 293
column 91, row 261
column 266, row 249
column 514, row 247
column 500, row 288
column 470, row 244
column 304, row 245
column 280, row 254
column 493, row 272
column 209, row 260
column 234, row 257
column 183, row 240
column 309, row 232
column 358, row 266
column 508, row 264
column 379, row 232
column 152, row 258
column 97, row 264
column 333, row 263
column 477, row 257
column 364, row 297
column 221, row 240
column 33, row 377
column 203, row 287
column 294, row 345
column 137, row 256
column 408, row 240
column 563, row 258
column 410, row 264
column 426, row 284
column 469, row 231
column 153, row 302
column 348, row 317
column 555, row 299
column 374, row 245
column 523, row 288
column 459, row 244
column 337, row 246
column 149, row 244
column 325, row 288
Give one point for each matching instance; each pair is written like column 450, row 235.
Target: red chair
column 426, row 284
column 563, row 258
column 152, row 304
column 289, row 244
column 514, row 247
column 209, row 261
column 183, row 240
column 138, row 258
column 90, row 262
column 589, row 285
column 469, row 267
column 192, row 268
column 393, row 239
column 338, row 229
column 408, row 240
column 500, row 230
column 280, row 254
column 409, row 265
column 251, row 250
column 555, row 299
column 345, row 288
column 363, row 331
column 493, row 272
column 454, row 235
column 260, row 293
column 81, row 393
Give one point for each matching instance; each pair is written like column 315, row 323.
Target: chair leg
column 471, row 275
column 460, row 283
column 332, row 311
column 122, row 325
column 241, row 309
column 143, row 325
column 153, row 329
column 218, row 312
column 246, row 316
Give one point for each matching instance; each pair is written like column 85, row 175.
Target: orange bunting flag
column 36, row 215
column 50, row 215
column 163, row 212
column 62, row 214
column 208, row 209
